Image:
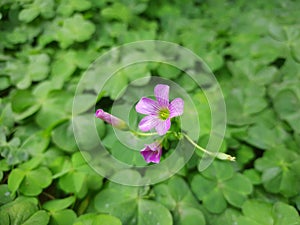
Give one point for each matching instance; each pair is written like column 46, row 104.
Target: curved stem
column 143, row 134
column 198, row 146
column 219, row 155
column 146, row 134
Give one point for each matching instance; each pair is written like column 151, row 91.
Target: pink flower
column 114, row 121
column 160, row 112
column 152, row 152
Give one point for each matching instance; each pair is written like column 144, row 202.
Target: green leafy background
column 253, row 48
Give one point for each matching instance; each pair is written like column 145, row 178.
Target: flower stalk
column 219, row 155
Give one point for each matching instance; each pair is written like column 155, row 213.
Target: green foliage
column 129, row 205
column 97, row 219
column 280, row 171
column 218, row 186
column 46, row 46
column 177, row 197
column 23, row 211
column 256, row 212
column 29, row 178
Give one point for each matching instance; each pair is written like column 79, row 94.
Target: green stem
column 198, row 146
column 219, row 155
column 136, row 133
column 146, row 134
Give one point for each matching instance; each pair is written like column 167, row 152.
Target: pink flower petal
column 151, row 156
column 163, row 126
column 148, row 122
column 147, row 106
column 176, row 107
column 152, row 152
column 161, row 93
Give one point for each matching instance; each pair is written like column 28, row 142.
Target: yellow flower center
column 164, row 114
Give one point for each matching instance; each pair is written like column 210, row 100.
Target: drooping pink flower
column 152, row 152
column 159, row 112
column 114, row 121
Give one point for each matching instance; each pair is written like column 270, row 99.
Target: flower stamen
column 164, row 114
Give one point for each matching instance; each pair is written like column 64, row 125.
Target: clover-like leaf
column 35, row 181
column 177, row 197
column 262, row 213
column 40, row 217
column 97, row 219
column 66, row 8
column 4, row 83
column 117, row 11
column 5, row 194
column 119, row 201
column 63, row 137
column 62, row 217
column 37, row 7
column 218, row 185
column 55, row 109
column 263, row 136
column 59, row 204
column 287, row 105
column 35, row 144
column 116, row 85
column 277, row 32
column 22, row 211
column 24, row 103
column 29, row 14
column 75, row 29
column 228, row 217
column 124, row 203
column 244, row 102
column 280, row 171
column 295, row 51
column 77, row 177
column 126, row 155
column 38, row 67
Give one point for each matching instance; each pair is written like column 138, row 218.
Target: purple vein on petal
column 163, row 126
column 147, row 106
column 152, row 152
column 176, row 107
column 148, row 122
column 161, row 93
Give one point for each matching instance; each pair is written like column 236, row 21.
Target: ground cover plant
column 253, row 49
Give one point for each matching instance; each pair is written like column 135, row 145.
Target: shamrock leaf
column 74, row 29
column 29, row 178
column 97, row 219
column 177, row 197
column 261, row 213
column 23, row 211
column 67, row 7
column 76, row 176
column 280, row 171
column 117, row 11
column 37, row 7
column 219, row 186
column 58, row 210
column 55, row 109
column 243, row 103
column 287, row 105
column 125, row 203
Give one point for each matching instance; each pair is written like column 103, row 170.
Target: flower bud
column 223, row 156
column 114, row 121
column 152, row 152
